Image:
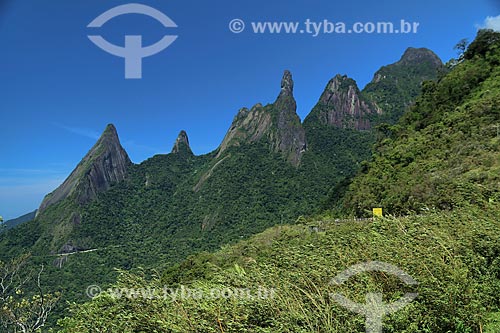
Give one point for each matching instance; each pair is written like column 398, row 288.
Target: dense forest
column 262, row 227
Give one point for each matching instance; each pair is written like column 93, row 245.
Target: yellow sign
column 377, row 212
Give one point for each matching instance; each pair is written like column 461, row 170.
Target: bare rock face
column 181, row 144
column 414, row 56
column 249, row 125
column 277, row 123
column 289, row 138
column 105, row 164
column 341, row 105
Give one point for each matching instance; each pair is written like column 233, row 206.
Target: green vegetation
column 14, row 222
column 395, row 87
column 159, row 215
column 444, row 153
column 453, row 256
column 437, row 169
column 24, row 307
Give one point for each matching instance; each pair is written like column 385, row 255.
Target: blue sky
column 58, row 90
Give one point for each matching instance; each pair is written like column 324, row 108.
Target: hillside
column 440, row 161
column 444, row 153
column 17, row 221
column 395, row 87
column 269, row 170
column 288, row 272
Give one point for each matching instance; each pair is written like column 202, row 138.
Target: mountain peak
column 403, row 79
column 336, row 84
column 342, row 105
column 286, row 84
column 414, row 56
column 110, row 131
column 105, row 163
column 181, row 144
column 109, row 136
column 276, row 123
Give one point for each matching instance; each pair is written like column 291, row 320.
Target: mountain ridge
column 270, row 169
column 341, row 120
column 277, row 122
column 395, row 86
column 443, row 153
column 105, row 163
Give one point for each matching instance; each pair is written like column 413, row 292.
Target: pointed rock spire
column 105, row 164
column 181, row 144
column 286, row 84
column 278, row 124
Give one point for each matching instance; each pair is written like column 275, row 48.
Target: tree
column 485, row 41
column 20, row 313
column 461, row 47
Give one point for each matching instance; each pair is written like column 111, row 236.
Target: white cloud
column 492, row 22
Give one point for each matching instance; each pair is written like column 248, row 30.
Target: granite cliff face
column 343, row 106
column 105, row 164
column 289, row 137
column 277, row 123
column 393, row 88
column 181, row 144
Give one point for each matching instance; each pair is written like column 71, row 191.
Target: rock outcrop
column 105, row 164
column 413, row 56
column 181, row 144
column 277, row 123
column 342, row 105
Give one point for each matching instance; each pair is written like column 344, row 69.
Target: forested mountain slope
column 444, row 152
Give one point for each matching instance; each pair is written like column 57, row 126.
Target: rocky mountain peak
column 420, row 55
column 105, row 164
column 277, row 123
column 181, row 144
column 109, row 136
column 342, row 105
column 286, row 84
column 337, row 85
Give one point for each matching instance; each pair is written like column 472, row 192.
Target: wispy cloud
column 22, row 171
column 14, row 177
column 85, row 132
column 491, row 22
column 42, row 187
